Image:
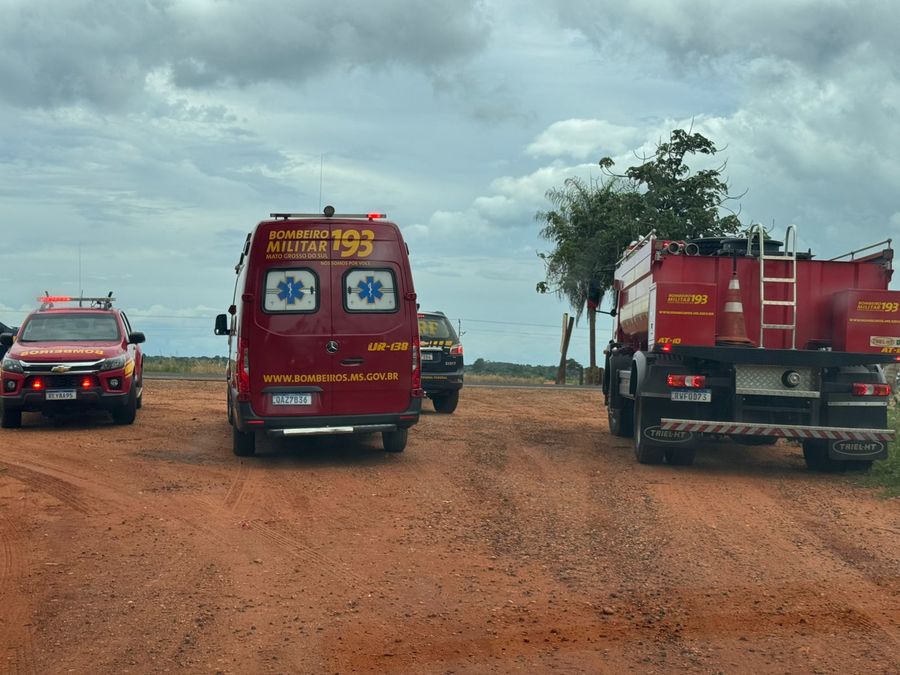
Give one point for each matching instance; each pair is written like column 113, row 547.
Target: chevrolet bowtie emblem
column 60, row 369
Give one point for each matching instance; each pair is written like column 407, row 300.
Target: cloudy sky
column 142, row 139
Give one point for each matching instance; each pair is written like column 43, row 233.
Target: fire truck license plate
column 692, row 395
column 291, row 399
column 61, row 395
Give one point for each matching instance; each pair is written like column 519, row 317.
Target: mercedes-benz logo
column 332, row 347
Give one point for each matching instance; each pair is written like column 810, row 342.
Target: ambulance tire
column 643, row 451
column 621, row 420
column 394, row 441
column 446, row 403
column 680, row 456
column 243, row 444
column 12, row 419
column 815, row 452
column 126, row 413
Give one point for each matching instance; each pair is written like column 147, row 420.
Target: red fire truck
column 748, row 338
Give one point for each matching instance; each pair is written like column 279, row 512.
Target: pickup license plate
column 291, row 399
column 61, row 395
column 692, row 395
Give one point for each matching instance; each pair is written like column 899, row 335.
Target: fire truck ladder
column 789, row 256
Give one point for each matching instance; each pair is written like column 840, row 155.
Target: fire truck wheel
column 861, row 465
column 394, row 441
column 621, row 420
column 643, row 451
column 126, row 413
column 446, row 403
column 680, row 456
column 243, row 445
column 815, row 452
column 12, row 419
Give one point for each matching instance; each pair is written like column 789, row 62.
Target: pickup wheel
column 394, row 441
column 126, row 413
column 243, row 444
column 815, row 452
column 446, row 403
column 140, row 397
column 645, row 453
column 12, row 419
column 621, row 420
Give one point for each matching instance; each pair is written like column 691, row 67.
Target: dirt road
column 516, row 535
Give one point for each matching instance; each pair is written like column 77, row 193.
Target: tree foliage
column 591, row 224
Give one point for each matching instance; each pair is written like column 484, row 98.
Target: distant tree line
column 524, row 371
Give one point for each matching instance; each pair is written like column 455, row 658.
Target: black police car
column 442, row 361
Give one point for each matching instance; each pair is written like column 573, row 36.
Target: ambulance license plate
column 291, row 399
column 692, row 395
column 61, row 395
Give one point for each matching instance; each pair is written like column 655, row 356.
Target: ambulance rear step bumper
column 779, row 430
column 329, row 431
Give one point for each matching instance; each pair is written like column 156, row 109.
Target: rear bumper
column 843, row 442
column 436, row 383
column 246, row 420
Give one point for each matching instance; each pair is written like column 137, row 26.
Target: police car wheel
column 445, row 403
column 394, row 441
column 12, row 419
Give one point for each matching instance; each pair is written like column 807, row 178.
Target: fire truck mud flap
column 653, row 443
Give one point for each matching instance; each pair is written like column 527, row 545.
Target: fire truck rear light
column 666, row 348
column 690, row 381
column 861, row 389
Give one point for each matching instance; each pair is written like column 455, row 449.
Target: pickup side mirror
column 6, row 339
column 136, row 338
column 222, row 324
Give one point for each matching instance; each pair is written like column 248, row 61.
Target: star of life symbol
column 290, row 290
column 369, row 290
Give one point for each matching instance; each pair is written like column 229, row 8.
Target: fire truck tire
column 12, row 419
column 815, row 452
column 621, row 420
column 127, row 412
column 394, row 441
column 643, row 451
column 861, row 465
column 243, row 444
column 680, row 456
column 446, row 403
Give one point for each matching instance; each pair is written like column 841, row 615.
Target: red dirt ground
column 515, row 535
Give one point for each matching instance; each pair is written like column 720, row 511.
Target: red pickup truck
column 72, row 354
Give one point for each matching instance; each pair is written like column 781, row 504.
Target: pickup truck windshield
column 71, row 328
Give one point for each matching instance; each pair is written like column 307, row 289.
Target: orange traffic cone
column 733, row 330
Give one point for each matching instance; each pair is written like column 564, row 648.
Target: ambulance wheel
column 12, row 419
column 446, row 403
column 126, row 413
column 394, row 441
column 621, row 420
column 243, row 444
column 815, row 452
column 680, row 456
column 643, row 451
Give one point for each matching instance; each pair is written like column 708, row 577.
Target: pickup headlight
column 113, row 363
column 11, row 366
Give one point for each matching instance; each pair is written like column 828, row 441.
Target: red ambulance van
column 323, row 336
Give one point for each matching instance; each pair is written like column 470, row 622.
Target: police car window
column 291, row 290
column 370, row 290
column 65, row 327
column 435, row 328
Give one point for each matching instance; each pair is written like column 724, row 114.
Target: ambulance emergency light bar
column 328, row 212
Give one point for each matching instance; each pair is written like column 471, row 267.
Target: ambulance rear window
column 291, row 290
column 370, row 290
